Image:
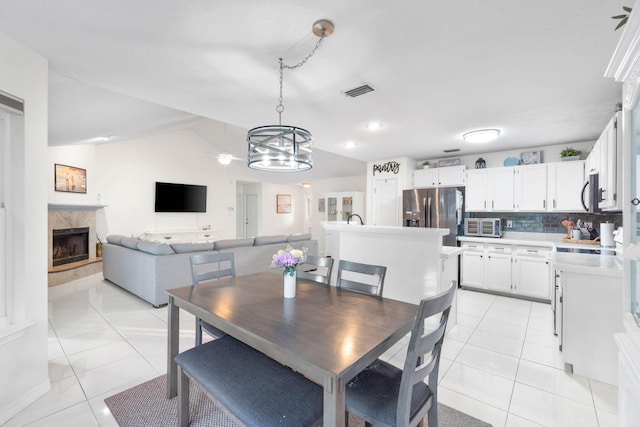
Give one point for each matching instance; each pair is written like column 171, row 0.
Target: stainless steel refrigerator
column 435, row 208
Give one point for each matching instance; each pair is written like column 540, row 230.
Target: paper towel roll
column 606, row 235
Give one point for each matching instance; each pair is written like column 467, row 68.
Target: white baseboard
column 23, row 401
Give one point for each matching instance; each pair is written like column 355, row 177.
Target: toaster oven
column 485, row 227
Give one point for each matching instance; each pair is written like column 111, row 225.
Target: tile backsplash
column 539, row 222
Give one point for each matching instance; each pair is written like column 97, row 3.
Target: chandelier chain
column 280, row 106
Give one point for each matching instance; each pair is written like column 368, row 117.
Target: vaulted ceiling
column 126, row 68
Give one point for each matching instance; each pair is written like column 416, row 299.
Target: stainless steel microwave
column 485, row 227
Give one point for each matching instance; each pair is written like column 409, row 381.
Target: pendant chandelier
column 284, row 148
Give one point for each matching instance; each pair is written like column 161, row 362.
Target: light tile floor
column 500, row 363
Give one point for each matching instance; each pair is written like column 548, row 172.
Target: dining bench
column 254, row 388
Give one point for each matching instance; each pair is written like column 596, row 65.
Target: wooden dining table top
column 323, row 331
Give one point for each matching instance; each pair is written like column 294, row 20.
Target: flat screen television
column 180, row 197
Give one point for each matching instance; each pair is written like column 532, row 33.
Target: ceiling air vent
column 452, row 150
column 359, row 91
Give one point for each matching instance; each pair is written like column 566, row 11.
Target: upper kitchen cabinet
column 530, row 183
column 451, row 176
column 604, row 160
column 338, row 206
column 564, row 186
column 489, row 190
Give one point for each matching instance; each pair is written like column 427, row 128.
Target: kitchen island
column 418, row 265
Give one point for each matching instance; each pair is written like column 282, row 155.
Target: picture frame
column 530, row 158
column 70, row 179
column 283, row 203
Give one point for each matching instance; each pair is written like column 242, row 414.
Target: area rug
column 146, row 405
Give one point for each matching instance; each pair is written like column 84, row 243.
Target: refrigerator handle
column 429, row 212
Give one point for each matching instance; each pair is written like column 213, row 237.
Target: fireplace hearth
column 70, row 245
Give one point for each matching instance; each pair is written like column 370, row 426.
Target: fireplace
column 70, row 245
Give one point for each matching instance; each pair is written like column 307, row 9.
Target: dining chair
column 384, row 395
column 314, row 266
column 208, row 267
column 364, row 278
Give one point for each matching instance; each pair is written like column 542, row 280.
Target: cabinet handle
column 485, row 204
column 207, row 235
column 492, row 203
column 554, row 203
column 532, row 250
column 544, row 204
column 167, row 237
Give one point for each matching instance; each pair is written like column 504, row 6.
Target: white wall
column 124, row 174
column 549, row 154
column 23, row 361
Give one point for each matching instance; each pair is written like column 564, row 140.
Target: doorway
column 385, row 206
column 248, row 209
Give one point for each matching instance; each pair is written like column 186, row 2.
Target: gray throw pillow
column 130, row 242
column 115, row 239
column 232, row 243
column 155, row 248
column 299, row 237
column 181, row 248
column 269, row 240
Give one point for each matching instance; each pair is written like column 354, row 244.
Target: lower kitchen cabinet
column 591, row 315
column 508, row 269
column 498, row 268
column 473, row 265
column 532, row 276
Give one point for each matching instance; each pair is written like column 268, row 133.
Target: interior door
column 250, row 215
column 385, row 202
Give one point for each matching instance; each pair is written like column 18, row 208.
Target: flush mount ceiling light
column 373, row 126
column 481, row 135
column 284, row 148
column 306, row 184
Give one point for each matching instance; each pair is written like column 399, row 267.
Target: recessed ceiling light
column 481, row 135
column 374, row 126
column 350, row 144
column 306, row 184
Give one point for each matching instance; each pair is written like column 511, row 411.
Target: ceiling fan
column 226, row 158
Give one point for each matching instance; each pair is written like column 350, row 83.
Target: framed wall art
column 283, row 203
column 70, row 179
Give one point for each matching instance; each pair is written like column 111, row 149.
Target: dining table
column 326, row 333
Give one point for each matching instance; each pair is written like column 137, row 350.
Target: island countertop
column 384, row 229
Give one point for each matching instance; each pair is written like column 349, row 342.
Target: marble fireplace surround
column 72, row 216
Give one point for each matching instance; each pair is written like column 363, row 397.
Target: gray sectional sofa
column 148, row 269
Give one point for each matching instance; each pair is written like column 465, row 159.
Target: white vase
column 289, row 285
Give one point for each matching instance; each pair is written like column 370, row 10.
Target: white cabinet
column 498, row 268
column 473, row 265
column 452, row 176
column 510, row 269
column 591, row 315
column 610, row 173
column 476, row 190
column 489, row 190
column 530, row 188
column 500, row 189
column 532, row 272
column 606, row 158
column 338, row 206
column 564, row 186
